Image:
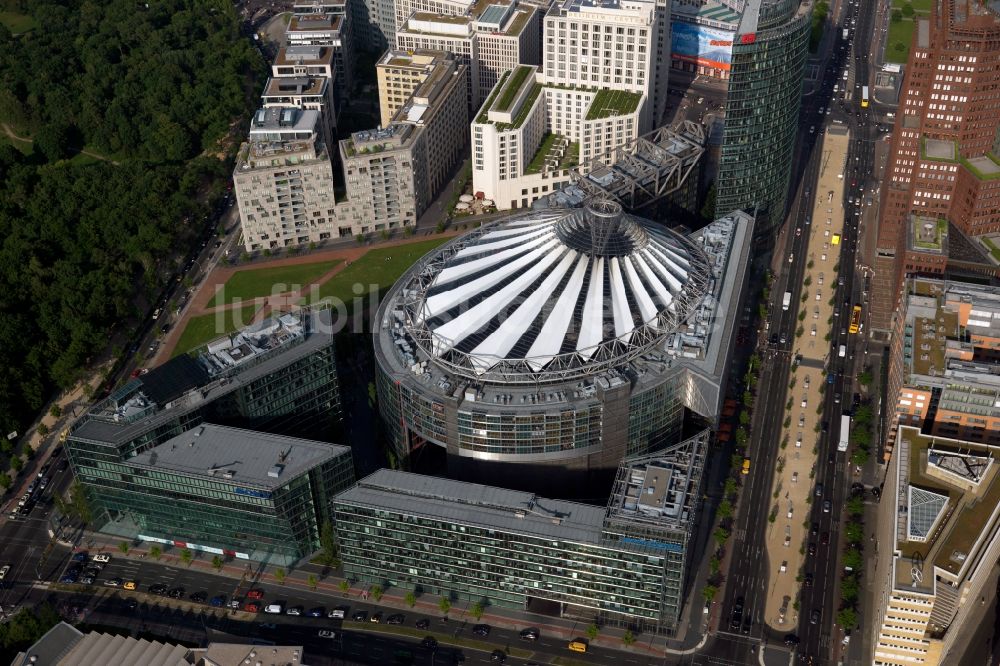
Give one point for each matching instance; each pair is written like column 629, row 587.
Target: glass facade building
column 278, row 376
column 240, row 493
column 622, row 564
column 769, row 54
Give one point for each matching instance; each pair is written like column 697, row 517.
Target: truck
column 845, row 431
column 786, row 300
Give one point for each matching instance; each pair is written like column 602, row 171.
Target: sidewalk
column 392, row 599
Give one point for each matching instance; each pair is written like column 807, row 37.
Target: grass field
column 900, row 35
column 25, row 147
column 205, row 328
column 258, row 282
column 380, row 267
column 17, row 23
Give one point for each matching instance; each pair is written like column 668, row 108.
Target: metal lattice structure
column 641, row 171
column 623, row 251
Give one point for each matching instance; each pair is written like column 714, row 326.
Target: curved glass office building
column 770, row 49
column 544, row 347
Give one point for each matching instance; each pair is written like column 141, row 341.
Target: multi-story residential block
column 508, row 36
column 454, row 34
column 529, row 134
column 404, row 8
column 228, row 491
column 283, row 180
column 488, row 39
column 762, row 110
column 330, row 30
column 312, row 93
column 276, row 376
column 399, row 73
column 943, row 161
column 624, row 564
column 393, row 173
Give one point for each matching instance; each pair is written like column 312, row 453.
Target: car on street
column 326, row 633
column 235, row 603
column 337, row 613
column 294, row 610
column 498, row 656
column 128, row 585
column 360, row 616
column 68, row 578
column 158, row 588
column 791, row 639
column 131, row 604
column 481, row 630
column 251, row 607
column 429, row 642
column 103, row 558
column 319, row 611
column 814, row 616
column 87, row 580
column 81, row 556
column 807, row 580
column 827, row 506
column 217, row 601
column 113, row 582
column 255, row 594
column 530, row 634
column 3, row 571
column 376, row 617
column 812, row 549
column 423, row 623
column 824, row 538
column 198, row 597
column 395, row 618
column 176, row 593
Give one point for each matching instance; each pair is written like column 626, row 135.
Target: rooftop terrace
column 610, row 103
column 929, row 234
column 949, row 496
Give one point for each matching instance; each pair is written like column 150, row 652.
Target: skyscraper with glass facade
column 276, row 376
column 622, row 564
column 227, row 491
column 769, row 53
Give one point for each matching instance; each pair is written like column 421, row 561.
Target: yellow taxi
column 129, row 585
column 578, row 645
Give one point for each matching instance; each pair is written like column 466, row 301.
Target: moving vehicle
column 786, row 300
column 855, row 326
column 103, row 558
column 423, row 623
column 498, row 656
column 255, row 594
column 530, row 634
column 846, row 33
column 481, row 630
column 746, row 466
column 842, row 352
column 577, row 645
column 845, row 427
column 864, row 97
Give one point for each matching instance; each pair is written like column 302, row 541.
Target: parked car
column 176, row 593
column 337, row 613
column 376, row 617
column 251, row 607
column 326, row 633
column 498, row 656
column 395, row 618
column 255, row 594
column 103, row 558
column 429, row 642
column 294, row 610
column 158, row 588
column 217, row 601
column 530, row 634
column 360, row 616
column 113, row 582
column 481, row 630
column 199, row 597
column 129, row 585
column 423, row 623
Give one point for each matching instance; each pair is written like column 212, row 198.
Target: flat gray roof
column 477, row 505
column 242, row 457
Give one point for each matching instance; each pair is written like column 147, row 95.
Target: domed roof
column 552, row 294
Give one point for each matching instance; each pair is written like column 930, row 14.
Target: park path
column 206, row 291
column 23, row 139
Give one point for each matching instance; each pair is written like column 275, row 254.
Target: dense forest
column 148, row 91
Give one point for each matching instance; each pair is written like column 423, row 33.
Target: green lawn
column 25, row 147
column 381, row 267
column 255, row 283
column 17, row 23
column 613, row 103
column 898, row 40
column 206, row 328
column 991, row 246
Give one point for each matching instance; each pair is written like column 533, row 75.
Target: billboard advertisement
column 704, row 46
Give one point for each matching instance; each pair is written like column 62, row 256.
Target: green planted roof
column 609, row 103
column 509, row 91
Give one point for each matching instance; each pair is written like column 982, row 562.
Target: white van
column 274, row 609
column 842, row 352
column 102, row 557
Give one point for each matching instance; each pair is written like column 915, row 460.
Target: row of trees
column 851, row 573
column 152, row 88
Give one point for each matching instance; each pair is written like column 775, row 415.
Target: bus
column 864, row 97
column 855, row 320
column 845, row 432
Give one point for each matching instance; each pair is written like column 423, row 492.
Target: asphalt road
column 748, row 572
